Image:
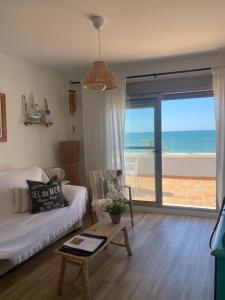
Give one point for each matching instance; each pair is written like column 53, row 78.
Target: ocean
column 199, row 141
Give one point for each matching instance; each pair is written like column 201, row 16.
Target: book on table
column 84, row 242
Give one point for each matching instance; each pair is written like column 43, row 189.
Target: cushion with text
column 46, row 196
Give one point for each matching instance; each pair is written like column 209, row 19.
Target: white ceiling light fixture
column 99, row 77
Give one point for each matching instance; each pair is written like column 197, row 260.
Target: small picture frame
column 3, row 127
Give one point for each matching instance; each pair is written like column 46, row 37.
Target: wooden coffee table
column 103, row 228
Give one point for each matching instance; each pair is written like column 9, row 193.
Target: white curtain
column 103, row 122
column 115, row 101
column 219, row 92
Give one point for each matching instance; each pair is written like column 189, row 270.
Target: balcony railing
column 187, row 179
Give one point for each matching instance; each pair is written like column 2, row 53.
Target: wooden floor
column 171, row 261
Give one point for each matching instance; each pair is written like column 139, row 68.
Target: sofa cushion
column 46, row 196
column 16, row 178
column 51, row 172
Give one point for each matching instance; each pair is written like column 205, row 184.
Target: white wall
column 167, row 64
column 152, row 66
column 191, row 165
column 31, row 145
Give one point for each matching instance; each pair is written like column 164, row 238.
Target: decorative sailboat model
column 33, row 114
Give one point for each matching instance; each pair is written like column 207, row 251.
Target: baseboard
column 177, row 211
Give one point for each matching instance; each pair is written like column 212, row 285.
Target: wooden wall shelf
column 47, row 124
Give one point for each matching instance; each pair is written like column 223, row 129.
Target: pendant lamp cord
column 99, row 46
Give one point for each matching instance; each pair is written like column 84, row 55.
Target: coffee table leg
column 86, row 281
column 61, row 276
column 126, row 239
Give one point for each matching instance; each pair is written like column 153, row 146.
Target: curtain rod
column 168, row 73
column 74, row 82
column 157, row 74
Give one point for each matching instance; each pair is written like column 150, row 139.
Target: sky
column 177, row 115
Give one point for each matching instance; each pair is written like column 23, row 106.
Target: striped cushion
column 21, row 201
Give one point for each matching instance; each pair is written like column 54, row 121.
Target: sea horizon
column 171, row 131
column 182, row 141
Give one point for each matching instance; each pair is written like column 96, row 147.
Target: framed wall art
column 3, row 127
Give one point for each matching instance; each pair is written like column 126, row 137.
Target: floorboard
column 171, row 261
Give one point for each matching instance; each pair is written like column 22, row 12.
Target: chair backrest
column 95, row 178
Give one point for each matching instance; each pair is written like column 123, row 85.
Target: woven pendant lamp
column 99, row 77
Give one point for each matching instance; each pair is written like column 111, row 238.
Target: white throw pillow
column 21, row 200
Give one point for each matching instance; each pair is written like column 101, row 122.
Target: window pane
column 139, row 129
column 189, row 152
column 138, row 153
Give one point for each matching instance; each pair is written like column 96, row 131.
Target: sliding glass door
column 142, row 149
column 170, row 150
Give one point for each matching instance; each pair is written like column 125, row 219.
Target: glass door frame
column 186, row 95
column 158, row 151
column 155, row 100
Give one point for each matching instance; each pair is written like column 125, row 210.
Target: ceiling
column 58, row 33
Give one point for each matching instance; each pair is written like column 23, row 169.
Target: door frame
column 155, row 99
column 158, row 151
column 158, row 203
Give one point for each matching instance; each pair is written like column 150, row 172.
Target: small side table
column 102, row 228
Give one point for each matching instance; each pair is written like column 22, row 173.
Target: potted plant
column 114, row 204
column 115, row 208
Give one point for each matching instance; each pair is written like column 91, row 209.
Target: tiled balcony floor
column 176, row 191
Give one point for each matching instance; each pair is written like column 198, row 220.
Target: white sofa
column 24, row 234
